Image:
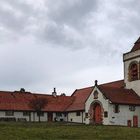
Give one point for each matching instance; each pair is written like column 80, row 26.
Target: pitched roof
column 20, row 101
column 56, row 104
column 136, row 45
column 113, row 91
column 118, row 94
column 117, row 84
column 80, row 97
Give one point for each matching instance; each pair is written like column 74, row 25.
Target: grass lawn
column 58, row 131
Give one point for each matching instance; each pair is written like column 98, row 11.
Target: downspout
column 67, row 117
column 34, row 116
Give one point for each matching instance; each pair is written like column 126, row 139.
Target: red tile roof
column 118, row 94
column 80, row 97
column 56, row 104
column 20, row 101
column 117, row 84
column 113, row 91
column 136, row 45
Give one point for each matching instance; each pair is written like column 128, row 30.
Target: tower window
column 133, row 72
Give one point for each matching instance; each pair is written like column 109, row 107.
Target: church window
column 105, row 114
column 95, row 95
column 133, row 72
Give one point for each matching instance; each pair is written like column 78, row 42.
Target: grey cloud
column 16, row 16
column 124, row 17
column 72, row 12
column 8, row 20
column 20, row 67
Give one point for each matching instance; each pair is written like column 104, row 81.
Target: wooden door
column 98, row 114
column 135, row 121
column 129, row 123
column 50, row 116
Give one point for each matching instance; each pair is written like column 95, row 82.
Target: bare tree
column 38, row 104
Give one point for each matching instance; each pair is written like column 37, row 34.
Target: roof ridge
column 6, row 91
column 112, row 82
column 81, row 89
column 26, row 92
column 85, row 88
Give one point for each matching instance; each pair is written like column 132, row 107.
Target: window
column 78, row 113
column 132, row 108
column 116, row 108
column 105, row 114
column 40, row 113
column 86, row 115
column 26, row 113
column 95, row 95
column 65, row 114
column 9, row 113
column 59, row 114
column 133, row 72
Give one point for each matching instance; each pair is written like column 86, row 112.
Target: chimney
column 22, row 90
column 54, row 93
column 63, row 94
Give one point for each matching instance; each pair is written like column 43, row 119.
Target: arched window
column 96, row 95
column 133, row 72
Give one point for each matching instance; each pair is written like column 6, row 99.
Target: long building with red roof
column 114, row 103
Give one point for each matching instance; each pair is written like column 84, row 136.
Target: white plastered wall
column 19, row 115
column 33, row 117
column 123, row 116
column 78, row 119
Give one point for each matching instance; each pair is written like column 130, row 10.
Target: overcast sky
column 66, row 44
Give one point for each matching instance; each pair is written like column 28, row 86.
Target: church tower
column 132, row 68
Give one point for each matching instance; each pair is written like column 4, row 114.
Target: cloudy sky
column 65, row 44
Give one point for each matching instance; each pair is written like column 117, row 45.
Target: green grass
column 59, row 131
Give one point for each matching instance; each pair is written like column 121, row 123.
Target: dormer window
column 133, row 72
column 96, row 95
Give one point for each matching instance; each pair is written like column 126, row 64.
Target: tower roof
column 136, row 45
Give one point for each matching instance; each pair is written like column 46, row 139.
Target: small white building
column 114, row 103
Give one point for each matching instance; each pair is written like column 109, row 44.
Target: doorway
column 98, row 114
column 50, row 116
column 135, row 121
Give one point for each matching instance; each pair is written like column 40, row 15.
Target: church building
column 114, row 103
